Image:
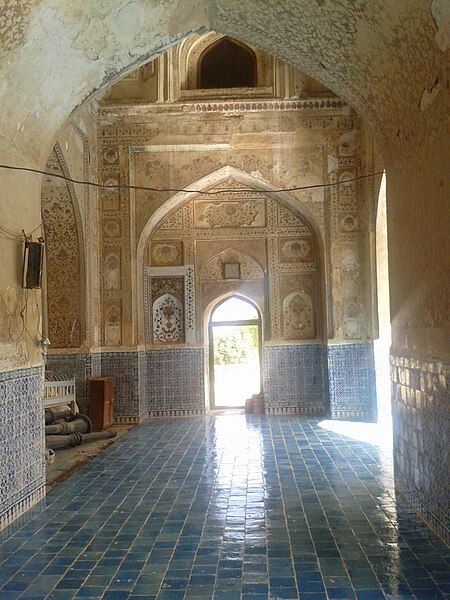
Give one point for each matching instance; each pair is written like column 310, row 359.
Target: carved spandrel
column 230, row 214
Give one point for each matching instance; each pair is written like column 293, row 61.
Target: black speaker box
column 32, row 265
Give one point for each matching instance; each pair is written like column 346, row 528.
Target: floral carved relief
column 166, row 253
column 298, row 316
column 168, row 325
column 167, row 312
column 214, row 268
column 113, row 319
column 64, row 258
column 295, row 250
column 111, row 272
column 350, row 266
column 352, row 320
column 230, row 214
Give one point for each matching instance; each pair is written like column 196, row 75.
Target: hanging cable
column 120, row 186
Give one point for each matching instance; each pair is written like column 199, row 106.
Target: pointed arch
column 237, row 64
column 217, row 179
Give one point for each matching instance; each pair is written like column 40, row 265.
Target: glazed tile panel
column 73, row 365
column 294, row 378
column 420, row 402
column 22, row 475
column 124, row 368
column 351, row 376
column 176, row 381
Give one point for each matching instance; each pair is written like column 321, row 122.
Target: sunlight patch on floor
column 377, row 434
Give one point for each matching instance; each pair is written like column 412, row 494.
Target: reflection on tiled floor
column 225, row 507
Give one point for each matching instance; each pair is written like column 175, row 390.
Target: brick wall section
column 420, row 406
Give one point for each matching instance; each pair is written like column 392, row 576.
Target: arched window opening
column 234, row 309
column 227, row 64
column 235, row 352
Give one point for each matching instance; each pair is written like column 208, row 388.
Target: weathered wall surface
column 283, row 146
column 388, row 59
column 305, row 258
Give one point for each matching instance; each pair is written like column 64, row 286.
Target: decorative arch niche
column 226, row 63
column 245, row 241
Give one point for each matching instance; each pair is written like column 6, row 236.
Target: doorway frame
column 236, row 322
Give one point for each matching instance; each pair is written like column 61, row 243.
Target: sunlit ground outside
column 233, row 384
column 236, row 364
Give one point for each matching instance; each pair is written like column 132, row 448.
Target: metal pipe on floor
column 80, row 424
column 52, row 415
column 75, row 439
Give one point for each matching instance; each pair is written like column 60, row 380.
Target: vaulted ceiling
column 388, row 59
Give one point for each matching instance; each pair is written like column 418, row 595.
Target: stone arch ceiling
column 387, row 58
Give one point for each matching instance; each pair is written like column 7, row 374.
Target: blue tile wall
column 78, row 365
column 420, row 410
column 176, row 381
column 294, row 379
column 128, row 370
column 129, row 400
column 22, row 443
column 351, row 381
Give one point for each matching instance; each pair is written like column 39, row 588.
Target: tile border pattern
column 199, row 412
column 295, row 410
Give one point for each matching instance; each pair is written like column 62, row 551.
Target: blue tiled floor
column 227, row 507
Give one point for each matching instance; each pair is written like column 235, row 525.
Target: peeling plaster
column 333, row 164
column 440, row 9
column 429, row 95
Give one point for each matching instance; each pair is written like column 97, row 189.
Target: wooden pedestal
column 100, row 402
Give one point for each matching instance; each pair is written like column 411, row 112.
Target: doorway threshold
column 224, row 410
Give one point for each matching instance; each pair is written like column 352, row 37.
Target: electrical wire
column 120, row 186
column 22, row 302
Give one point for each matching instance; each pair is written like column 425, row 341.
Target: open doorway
column 234, row 352
column 383, row 343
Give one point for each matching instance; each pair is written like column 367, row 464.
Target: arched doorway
column 234, row 352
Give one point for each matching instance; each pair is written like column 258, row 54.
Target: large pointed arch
column 216, row 180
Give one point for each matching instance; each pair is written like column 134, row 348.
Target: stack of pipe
column 63, row 430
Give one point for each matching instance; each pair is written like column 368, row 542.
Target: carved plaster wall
column 280, row 144
column 169, row 305
column 64, row 257
column 243, row 229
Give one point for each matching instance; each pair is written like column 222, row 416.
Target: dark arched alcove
column 227, row 64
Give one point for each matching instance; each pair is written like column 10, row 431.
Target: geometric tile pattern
column 420, row 403
column 351, row 381
column 22, row 474
column 124, row 367
column 294, row 378
column 227, row 507
column 74, row 365
column 176, row 381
